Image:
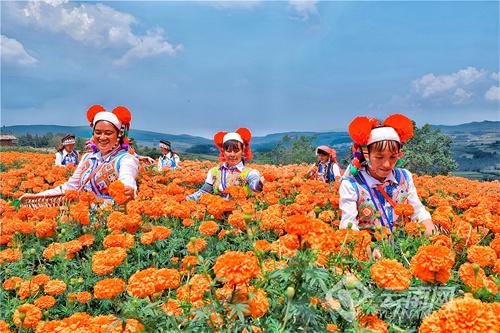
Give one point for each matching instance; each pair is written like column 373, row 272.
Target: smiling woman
column 234, row 152
column 109, row 159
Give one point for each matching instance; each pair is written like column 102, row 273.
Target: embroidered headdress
column 69, row 139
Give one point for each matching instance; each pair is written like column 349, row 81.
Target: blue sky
column 201, row 67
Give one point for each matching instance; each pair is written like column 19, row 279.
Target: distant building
column 8, row 140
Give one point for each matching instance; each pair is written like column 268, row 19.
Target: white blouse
column 349, row 197
column 129, row 166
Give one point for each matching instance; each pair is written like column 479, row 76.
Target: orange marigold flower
column 116, row 190
column 208, row 228
column 118, row 240
column 108, row 288
column 27, row 316
column 332, row 328
column 262, row 245
column 27, row 289
column 54, row 287
column 133, row 326
column 12, row 283
column 10, row 255
column 45, row 228
column 40, row 279
column 298, row 225
column 172, row 308
column 258, row 303
column 391, row 274
column 104, row 262
column 187, row 222
column 167, row 278
column 234, row 267
column 194, row 290
column 481, row 255
column 45, row 302
column 116, row 221
column 82, row 297
column 237, row 220
column 71, row 195
column 404, row 210
column 414, row 229
column 87, row 239
column 373, row 324
column 196, row 245
column 462, row 314
column 442, row 240
column 474, row 277
column 189, row 263
column 142, row 283
column 433, row 263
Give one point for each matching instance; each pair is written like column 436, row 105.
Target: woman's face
column 382, row 163
column 164, row 151
column 323, row 158
column 69, row 148
column 105, row 136
column 233, row 155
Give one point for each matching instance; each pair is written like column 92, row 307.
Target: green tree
column 429, row 152
column 293, row 150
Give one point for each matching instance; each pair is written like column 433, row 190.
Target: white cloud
column 495, row 76
column 493, row 94
column 148, row 46
column 305, row 8
column 95, row 25
column 13, row 52
column 461, row 96
column 431, row 85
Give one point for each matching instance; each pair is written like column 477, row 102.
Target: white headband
column 232, row 136
column 382, row 134
column 69, row 142
column 107, row 116
column 162, row 145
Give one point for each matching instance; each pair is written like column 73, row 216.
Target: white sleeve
column 420, row 214
column 336, row 171
column 210, row 179
column 129, row 167
column 58, row 161
column 159, row 164
column 177, row 159
column 348, row 204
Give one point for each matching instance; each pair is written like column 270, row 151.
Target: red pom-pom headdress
column 242, row 135
column 365, row 131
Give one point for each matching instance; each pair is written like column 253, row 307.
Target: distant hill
column 468, row 127
column 462, row 134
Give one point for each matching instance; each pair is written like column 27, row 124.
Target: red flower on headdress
column 360, row 129
column 402, row 124
column 92, row 111
column 123, row 114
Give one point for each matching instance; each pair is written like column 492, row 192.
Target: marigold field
column 276, row 262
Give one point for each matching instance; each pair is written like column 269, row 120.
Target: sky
column 186, row 67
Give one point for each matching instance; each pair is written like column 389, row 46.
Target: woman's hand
column 129, row 192
column 430, row 229
column 376, row 254
column 262, row 180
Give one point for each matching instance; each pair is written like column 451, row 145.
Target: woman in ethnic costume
column 326, row 169
column 66, row 154
column 169, row 159
column 374, row 184
column 110, row 159
column 234, row 153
